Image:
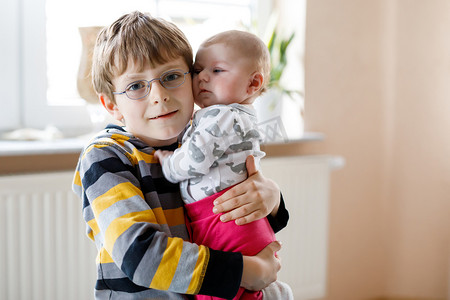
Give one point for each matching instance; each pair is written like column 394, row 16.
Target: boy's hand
column 261, row 270
column 251, row 200
column 161, row 155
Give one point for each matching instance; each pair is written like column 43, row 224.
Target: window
column 41, row 49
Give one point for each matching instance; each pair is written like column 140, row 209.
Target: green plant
column 278, row 46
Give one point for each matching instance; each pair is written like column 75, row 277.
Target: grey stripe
column 77, row 189
column 186, row 266
column 104, row 184
column 179, row 231
column 150, row 261
column 109, row 271
column 88, row 214
column 167, row 199
column 126, row 206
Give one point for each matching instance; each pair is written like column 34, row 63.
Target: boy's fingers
column 248, row 219
column 275, row 246
column 242, row 215
column 234, row 213
column 238, row 190
column 229, row 199
column 250, row 165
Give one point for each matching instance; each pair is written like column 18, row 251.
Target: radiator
column 45, row 254
column 44, row 251
column 304, row 182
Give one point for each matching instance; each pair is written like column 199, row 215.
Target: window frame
column 10, row 63
column 23, row 76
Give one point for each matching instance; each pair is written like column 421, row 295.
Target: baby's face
column 221, row 76
column 161, row 116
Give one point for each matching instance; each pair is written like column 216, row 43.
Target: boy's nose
column 158, row 93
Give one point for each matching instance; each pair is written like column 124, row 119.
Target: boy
column 231, row 70
column 134, row 216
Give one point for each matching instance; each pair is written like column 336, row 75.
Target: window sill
column 20, row 148
column 18, row 157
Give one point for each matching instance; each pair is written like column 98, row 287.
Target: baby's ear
column 110, row 106
column 256, row 83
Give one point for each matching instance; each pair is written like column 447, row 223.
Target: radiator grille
column 44, row 252
column 304, row 182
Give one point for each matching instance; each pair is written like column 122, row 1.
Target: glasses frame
column 149, row 84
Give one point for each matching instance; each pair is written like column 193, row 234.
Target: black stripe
column 219, row 281
column 97, row 169
column 119, row 284
column 108, row 165
column 281, row 219
column 160, row 185
column 136, row 251
column 85, row 200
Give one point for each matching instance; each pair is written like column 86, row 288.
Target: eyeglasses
column 141, row 88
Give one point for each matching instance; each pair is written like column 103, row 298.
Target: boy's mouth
column 165, row 116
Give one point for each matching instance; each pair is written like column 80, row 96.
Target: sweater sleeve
column 279, row 221
column 130, row 233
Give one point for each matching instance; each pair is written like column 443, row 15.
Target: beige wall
column 378, row 85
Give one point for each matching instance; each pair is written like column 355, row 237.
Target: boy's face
column 158, row 118
column 221, row 76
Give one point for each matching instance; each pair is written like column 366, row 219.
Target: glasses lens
column 137, row 89
column 172, row 79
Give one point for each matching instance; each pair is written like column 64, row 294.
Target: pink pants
column 208, row 230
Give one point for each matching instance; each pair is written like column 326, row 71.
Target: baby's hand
column 161, row 155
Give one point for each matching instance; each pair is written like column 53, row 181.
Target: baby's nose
column 203, row 75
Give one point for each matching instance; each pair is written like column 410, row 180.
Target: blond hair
column 249, row 46
column 139, row 38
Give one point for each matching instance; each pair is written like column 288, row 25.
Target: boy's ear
column 111, row 107
column 256, row 82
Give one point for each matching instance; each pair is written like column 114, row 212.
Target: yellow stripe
column 141, row 156
column 171, row 217
column 103, row 257
column 175, row 216
column 121, row 224
column 160, row 218
column 91, row 235
column 199, row 271
column 117, row 193
column 77, row 178
column 120, row 138
column 94, row 227
column 168, row 265
column 88, row 149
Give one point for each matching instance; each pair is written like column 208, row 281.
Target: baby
column 231, row 70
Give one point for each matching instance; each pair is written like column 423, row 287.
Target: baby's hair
column 249, row 45
column 139, row 38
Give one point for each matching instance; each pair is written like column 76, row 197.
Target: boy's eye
column 218, row 70
column 137, row 86
column 172, row 76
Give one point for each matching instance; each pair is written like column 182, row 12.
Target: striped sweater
column 136, row 219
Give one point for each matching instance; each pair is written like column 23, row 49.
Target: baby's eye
column 216, row 70
column 196, row 71
column 136, row 86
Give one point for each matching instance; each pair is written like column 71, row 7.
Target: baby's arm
column 162, row 155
